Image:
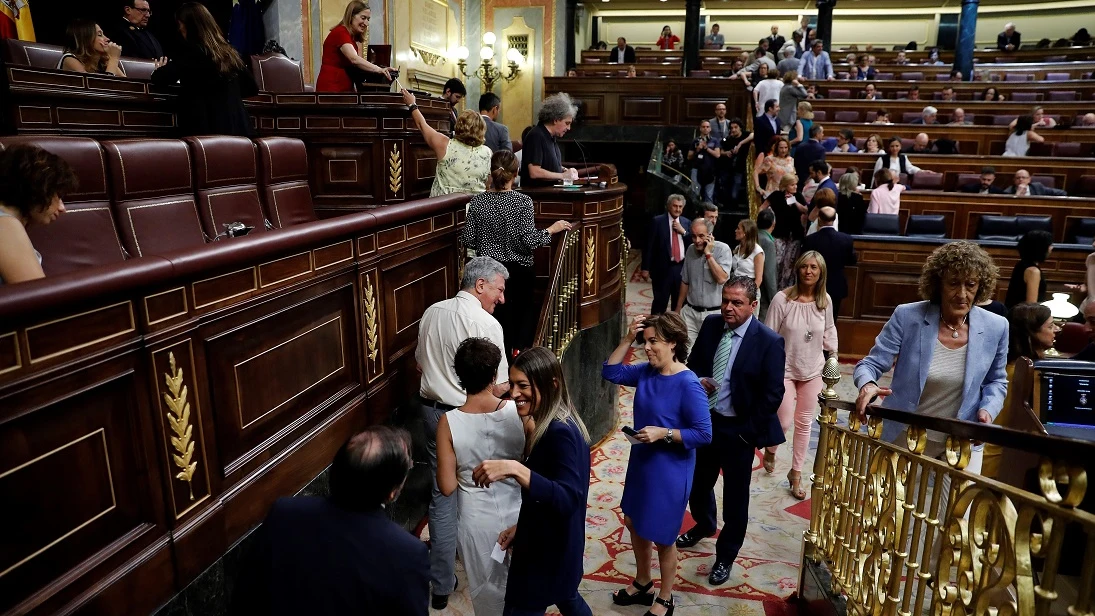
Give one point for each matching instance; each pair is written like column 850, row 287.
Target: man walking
column 838, row 250
column 664, row 255
column 707, row 266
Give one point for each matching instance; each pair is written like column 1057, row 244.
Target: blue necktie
column 722, row 357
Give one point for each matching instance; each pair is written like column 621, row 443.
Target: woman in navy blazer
column 931, row 338
column 548, row 542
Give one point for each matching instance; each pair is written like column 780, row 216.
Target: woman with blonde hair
column 212, row 76
column 343, row 51
column 801, row 130
column 501, row 225
column 463, row 162
column 91, row 51
column 748, row 256
column 803, row 315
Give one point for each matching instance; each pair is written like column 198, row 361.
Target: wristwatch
column 668, row 436
column 412, row 107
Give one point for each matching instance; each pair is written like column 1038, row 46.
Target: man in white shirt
column 443, row 327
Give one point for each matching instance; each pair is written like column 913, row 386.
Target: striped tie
column 722, row 356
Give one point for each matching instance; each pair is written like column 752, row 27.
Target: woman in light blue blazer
column 951, row 355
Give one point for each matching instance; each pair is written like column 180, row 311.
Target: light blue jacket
column 909, row 337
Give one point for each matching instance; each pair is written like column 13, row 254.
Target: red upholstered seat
column 696, row 73
column 86, row 234
column 840, row 93
column 226, row 179
column 138, row 68
column 152, row 193
column 1058, row 76
column 942, row 77
column 1027, row 96
column 846, row 116
column 1071, row 339
column 884, row 76
column 820, row 115
column 913, row 76
column 968, row 178
column 1003, row 120
column 276, row 73
column 1062, row 95
column 909, row 116
column 1040, row 149
column 1070, row 149
column 26, row 53
column 283, row 181
column 1085, row 186
column 1047, row 180
column 926, row 180
column 1010, row 76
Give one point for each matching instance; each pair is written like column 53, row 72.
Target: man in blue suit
column 741, row 363
column 666, row 241
column 766, row 126
column 341, row 555
column 808, row 152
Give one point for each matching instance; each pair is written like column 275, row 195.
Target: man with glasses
column 132, row 32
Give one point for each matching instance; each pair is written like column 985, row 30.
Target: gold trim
column 170, row 316
column 371, row 333
column 591, row 258
column 235, row 371
column 18, row 353
column 132, row 327
column 193, row 286
column 179, row 420
column 110, row 480
column 395, row 171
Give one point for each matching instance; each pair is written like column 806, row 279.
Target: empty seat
column 1047, row 180
column 1085, row 186
column 1029, row 97
column 1025, row 223
column 913, row 76
column 26, row 53
column 1082, row 232
column 926, row 225
column 844, row 75
column 926, row 180
column 909, row 116
column 226, row 182
column 1003, row 120
column 836, row 172
column 283, row 181
column 277, row 73
column 1058, row 76
column 1040, row 149
column 699, row 73
column 846, row 116
column 1012, row 76
column 884, row 76
column 153, row 195
column 138, row 68
column 996, row 227
column 1069, row 149
column 1062, row 95
column 86, row 234
column 968, row 178
column 942, row 77
column 651, row 74
column 868, row 117
column 820, row 115
column 840, row 93
column 881, row 224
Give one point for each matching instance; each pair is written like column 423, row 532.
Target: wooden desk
column 966, row 90
column 972, row 140
column 982, row 113
column 651, row 101
column 1064, row 171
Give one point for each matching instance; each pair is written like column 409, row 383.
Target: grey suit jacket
column 497, row 136
column 1038, row 189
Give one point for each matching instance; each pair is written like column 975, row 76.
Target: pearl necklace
column 954, row 329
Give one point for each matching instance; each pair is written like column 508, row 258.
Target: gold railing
column 559, row 315
column 895, row 544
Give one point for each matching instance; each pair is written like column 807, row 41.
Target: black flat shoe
column 440, row 602
column 719, row 574
column 662, row 602
column 691, row 537
column 643, row 597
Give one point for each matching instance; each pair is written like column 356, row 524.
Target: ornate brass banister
column 559, row 315
column 894, row 542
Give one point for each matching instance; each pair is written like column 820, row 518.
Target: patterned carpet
column 766, row 571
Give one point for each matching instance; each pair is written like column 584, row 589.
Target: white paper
column 498, row 553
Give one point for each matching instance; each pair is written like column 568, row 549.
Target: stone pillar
column 571, row 53
column 967, row 34
column 692, row 41
column 825, row 22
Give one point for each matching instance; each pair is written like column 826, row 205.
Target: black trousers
column 836, row 307
column 729, row 453
column 520, row 312
column 666, row 287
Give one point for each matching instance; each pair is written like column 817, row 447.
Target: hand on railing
column 867, row 395
column 559, row 225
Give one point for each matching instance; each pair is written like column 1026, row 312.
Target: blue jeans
column 442, row 516
column 575, row 606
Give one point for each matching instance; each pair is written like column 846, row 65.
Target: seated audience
column 873, row 145
column 886, row 194
column 632, row 71
column 947, row 95
column 622, row 53
column 33, row 185
column 668, row 41
column 1018, row 143
column 212, row 76
column 921, row 145
column 864, row 70
column 1027, row 284
column 1081, row 37
column 933, row 58
column 901, row 59
column 928, row 116
column 843, row 142
column 340, row 554
column 89, row 51
column 132, row 33
column 850, row 207
column 882, row 116
column 572, row 72
column 1087, row 121
column 913, row 94
column 812, row 94
column 1009, row 39
column 990, row 94
column 958, row 118
column 463, row 162
column 985, row 185
column 542, row 161
column 343, row 63
column 1023, row 187
column 957, row 76
column 1039, row 119
column 870, row 93
column 714, row 40
column 894, row 160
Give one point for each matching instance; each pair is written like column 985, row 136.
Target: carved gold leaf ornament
column 395, row 170
column 591, row 258
column 370, row 319
column 178, row 417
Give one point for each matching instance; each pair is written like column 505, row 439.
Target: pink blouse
column 884, row 200
column 807, row 333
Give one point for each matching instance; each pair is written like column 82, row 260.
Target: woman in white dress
column 484, row 428
column 748, row 256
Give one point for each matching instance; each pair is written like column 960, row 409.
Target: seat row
column 990, row 227
column 1060, row 96
column 927, row 180
column 139, row 197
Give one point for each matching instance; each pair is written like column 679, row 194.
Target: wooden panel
column 224, row 287
column 87, row 329
column 285, row 269
column 10, row 357
column 165, row 306
column 642, row 108
column 409, row 287
column 335, row 254
column 343, row 170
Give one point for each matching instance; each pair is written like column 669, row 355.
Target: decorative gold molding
column 395, row 170
column 179, row 420
column 591, row 257
column 370, row 320
column 428, row 57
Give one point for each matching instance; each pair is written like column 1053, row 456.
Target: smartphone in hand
column 632, row 435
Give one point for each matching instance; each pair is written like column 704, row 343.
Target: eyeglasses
column 139, row 10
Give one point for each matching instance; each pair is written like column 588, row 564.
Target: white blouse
column 744, row 266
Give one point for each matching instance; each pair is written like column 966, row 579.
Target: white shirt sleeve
column 911, row 168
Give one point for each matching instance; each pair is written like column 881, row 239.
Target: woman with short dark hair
column 33, row 184
column 213, row 77
column 1021, row 136
column 88, row 50
column 1027, row 283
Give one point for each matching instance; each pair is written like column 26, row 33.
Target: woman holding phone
column 671, row 408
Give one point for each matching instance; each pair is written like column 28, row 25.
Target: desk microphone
column 585, row 165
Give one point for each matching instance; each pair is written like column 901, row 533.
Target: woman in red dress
column 342, row 51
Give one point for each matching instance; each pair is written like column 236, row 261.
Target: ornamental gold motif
column 905, row 533
column 395, row 170
column 591, row 258
column 371, row 326
column 178, row 417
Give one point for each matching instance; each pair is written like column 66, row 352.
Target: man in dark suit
column 985, row 186
column 1023, row 187
column 341, row 555
column 622, row 53
column 1009, row 39
column 740, row 362
column 819, row 173
column 666, row 240
column 809, row 152
column 132, row 34
column 766, row 125
column 838, row 250
column 497, row 137
column 775, row 40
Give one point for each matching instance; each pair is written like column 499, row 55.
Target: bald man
column 838, row 250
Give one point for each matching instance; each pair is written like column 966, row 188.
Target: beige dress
column 464, row 169
column 775, row 168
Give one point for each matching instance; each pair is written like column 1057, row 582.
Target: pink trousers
column 800, row 405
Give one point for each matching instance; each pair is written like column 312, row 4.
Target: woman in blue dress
column 671, row 408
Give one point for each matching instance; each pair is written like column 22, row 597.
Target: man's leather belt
column 702, row 308
column 438, row 405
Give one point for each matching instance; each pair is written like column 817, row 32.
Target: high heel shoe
column 794, row 478
column 643, row 597
column 665, row 603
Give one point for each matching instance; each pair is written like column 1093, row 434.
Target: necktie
column 674, row 243
column 722, row 356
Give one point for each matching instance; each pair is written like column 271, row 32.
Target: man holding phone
column 707, row 265
column 741, row 364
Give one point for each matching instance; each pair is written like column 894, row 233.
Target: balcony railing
column 900, row 532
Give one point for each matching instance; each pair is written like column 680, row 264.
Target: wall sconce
column 488, row 72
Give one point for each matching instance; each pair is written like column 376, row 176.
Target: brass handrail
column 895, row 544
column 559, row 315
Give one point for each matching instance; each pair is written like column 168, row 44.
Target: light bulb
column 486, row 53
column 462, row 53
column 489, row 38
column 513, row 55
